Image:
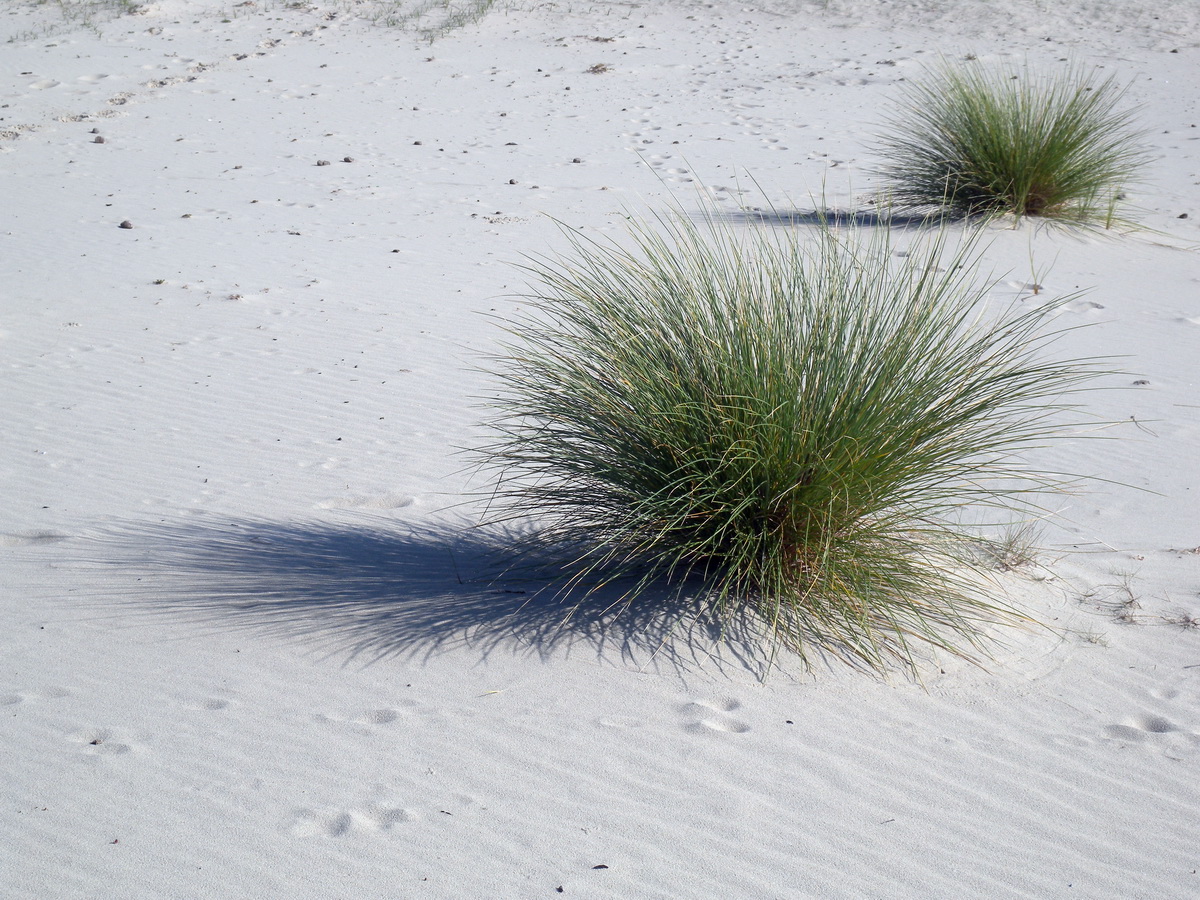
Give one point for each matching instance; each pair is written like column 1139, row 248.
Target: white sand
column 245, row 650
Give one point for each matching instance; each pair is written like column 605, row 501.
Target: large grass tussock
column 787, row 422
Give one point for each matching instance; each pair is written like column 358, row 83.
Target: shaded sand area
column 250, row 646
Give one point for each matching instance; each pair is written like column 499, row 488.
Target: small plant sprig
column 980, row 141
column 89, row 14
column 787, row 424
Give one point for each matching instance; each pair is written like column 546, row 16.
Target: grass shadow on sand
column 365, row 592
column 834, row 218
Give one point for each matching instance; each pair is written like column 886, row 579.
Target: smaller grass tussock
column 980, row 141
column 431, row 19
column 790, row 424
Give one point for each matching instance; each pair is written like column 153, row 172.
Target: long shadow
column 837, row 218
column 371, row 591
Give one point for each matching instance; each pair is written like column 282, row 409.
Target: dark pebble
column 126, row 224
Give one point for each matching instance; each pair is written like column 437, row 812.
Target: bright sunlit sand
column 253, row 259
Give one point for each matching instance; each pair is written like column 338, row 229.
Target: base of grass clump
column 787, row 423
column 976, row 141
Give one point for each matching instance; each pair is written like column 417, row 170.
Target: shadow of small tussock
column 832, row 218
column 365, row 592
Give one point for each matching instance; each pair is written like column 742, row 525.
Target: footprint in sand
column 709, row 717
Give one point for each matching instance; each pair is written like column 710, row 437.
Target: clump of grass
column 985, row 141
column 791, row 425
column 431, row 19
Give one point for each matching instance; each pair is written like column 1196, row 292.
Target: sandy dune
column 249, row 648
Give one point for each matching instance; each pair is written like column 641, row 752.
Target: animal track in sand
column 336, row 823
column 378, row 717
column 1141, row 726
column 622, row 722
column 18, row 697
column 381, row 716
column 377, row 501
column 85, row 84
column 1082, row 306
column 709, row 717
column 209, row 704
column 15, row 131
column 1164, row 693
column 669, row 171
column 1157, row 731
column 100, row 742
column 25, row 538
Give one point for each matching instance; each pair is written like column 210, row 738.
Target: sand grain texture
column 249, row 651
